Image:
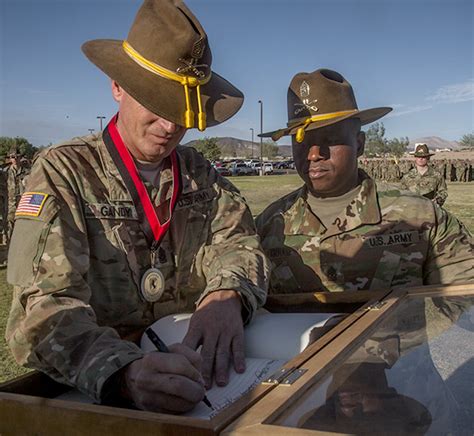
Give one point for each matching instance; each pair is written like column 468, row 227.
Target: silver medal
column 152, row 285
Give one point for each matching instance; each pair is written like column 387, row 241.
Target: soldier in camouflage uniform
column 3, row 204
column 424, row 179
column 463, row 171
column 341, row 232
column 406, row 165
column 16, row 179
column 393, row 172
column 92, row 259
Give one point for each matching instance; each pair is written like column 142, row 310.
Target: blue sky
column 414, row 55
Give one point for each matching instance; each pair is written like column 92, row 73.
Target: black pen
column 161, row 346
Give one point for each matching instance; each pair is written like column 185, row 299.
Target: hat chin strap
column 186, row 81
column 301, row 130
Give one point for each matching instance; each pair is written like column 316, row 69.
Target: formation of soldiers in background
column 392, row 170
column 13, row 175
column 14, row 171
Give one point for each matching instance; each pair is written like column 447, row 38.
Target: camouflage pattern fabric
column 3, row 205
column 16, row 180
column 385, row 238
column 76, row 268
column 431, row 184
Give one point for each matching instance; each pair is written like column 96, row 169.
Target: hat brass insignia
column 304, row 90
column 198, row 48
column 191, row 65
column 306, row 104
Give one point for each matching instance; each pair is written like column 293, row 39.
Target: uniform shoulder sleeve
column 451, row 254
column 36, row 211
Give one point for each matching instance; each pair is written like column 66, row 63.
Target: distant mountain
column 233, row 147
column 435, row 142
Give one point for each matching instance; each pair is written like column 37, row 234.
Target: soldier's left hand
column 217, row 325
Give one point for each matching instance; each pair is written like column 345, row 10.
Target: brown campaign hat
column 421, row 150
column 319, row 99
column 165, row 64
column 360, row 401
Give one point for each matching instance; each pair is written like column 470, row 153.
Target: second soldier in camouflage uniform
column 424, row 179
column 341, row 232
column 16, row 179
column 85, row 260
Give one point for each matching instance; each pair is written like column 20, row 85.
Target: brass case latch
column 284, row 376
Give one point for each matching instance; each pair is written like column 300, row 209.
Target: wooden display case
column 275, row 413
column 28, row 404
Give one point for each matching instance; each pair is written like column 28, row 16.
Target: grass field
column 259, row 192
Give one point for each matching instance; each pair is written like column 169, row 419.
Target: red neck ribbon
column 151, row 225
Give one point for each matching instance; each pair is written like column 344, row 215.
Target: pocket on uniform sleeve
column 28, row 243
column 26, row 248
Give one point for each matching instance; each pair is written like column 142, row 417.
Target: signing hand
column 166, row 382
column 217, row 326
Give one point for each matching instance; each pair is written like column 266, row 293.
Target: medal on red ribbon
column 152, row 284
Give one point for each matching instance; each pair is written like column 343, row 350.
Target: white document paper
column 271, row 339
column 256, row 371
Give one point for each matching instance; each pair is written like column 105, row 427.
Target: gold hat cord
column 186, row 81
column 301, row 130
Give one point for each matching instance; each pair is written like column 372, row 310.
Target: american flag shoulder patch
column 31, row 204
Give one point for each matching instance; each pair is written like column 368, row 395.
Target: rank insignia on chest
column 31, row 204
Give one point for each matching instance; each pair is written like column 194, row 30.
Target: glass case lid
column 412, row 375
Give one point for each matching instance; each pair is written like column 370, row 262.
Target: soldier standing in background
column 443, row 168
column 424, row 179
column 405, row 166
column 3, row 204
column 464, row 170
column 393, row 171
column 16, row 179
column 459, row 169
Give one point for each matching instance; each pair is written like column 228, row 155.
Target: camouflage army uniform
column 3, row 204
column 382, row 240
column 431, row 184
column 16, row 180
column 77, row 266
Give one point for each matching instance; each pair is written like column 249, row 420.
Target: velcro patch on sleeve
column 31, row 204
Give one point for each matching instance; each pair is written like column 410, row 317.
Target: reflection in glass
column 413, row 375
column 362, row 402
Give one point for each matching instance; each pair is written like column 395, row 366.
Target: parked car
column 241, row 169
column 223, row 171
column 267, row 168
column 282, row 165
column 252, row 162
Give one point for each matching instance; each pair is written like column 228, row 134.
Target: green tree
column 375, row 143
column 467, row 140
column 21, row 145
column 397, row 146
column 209, row 148
column 269, row 149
